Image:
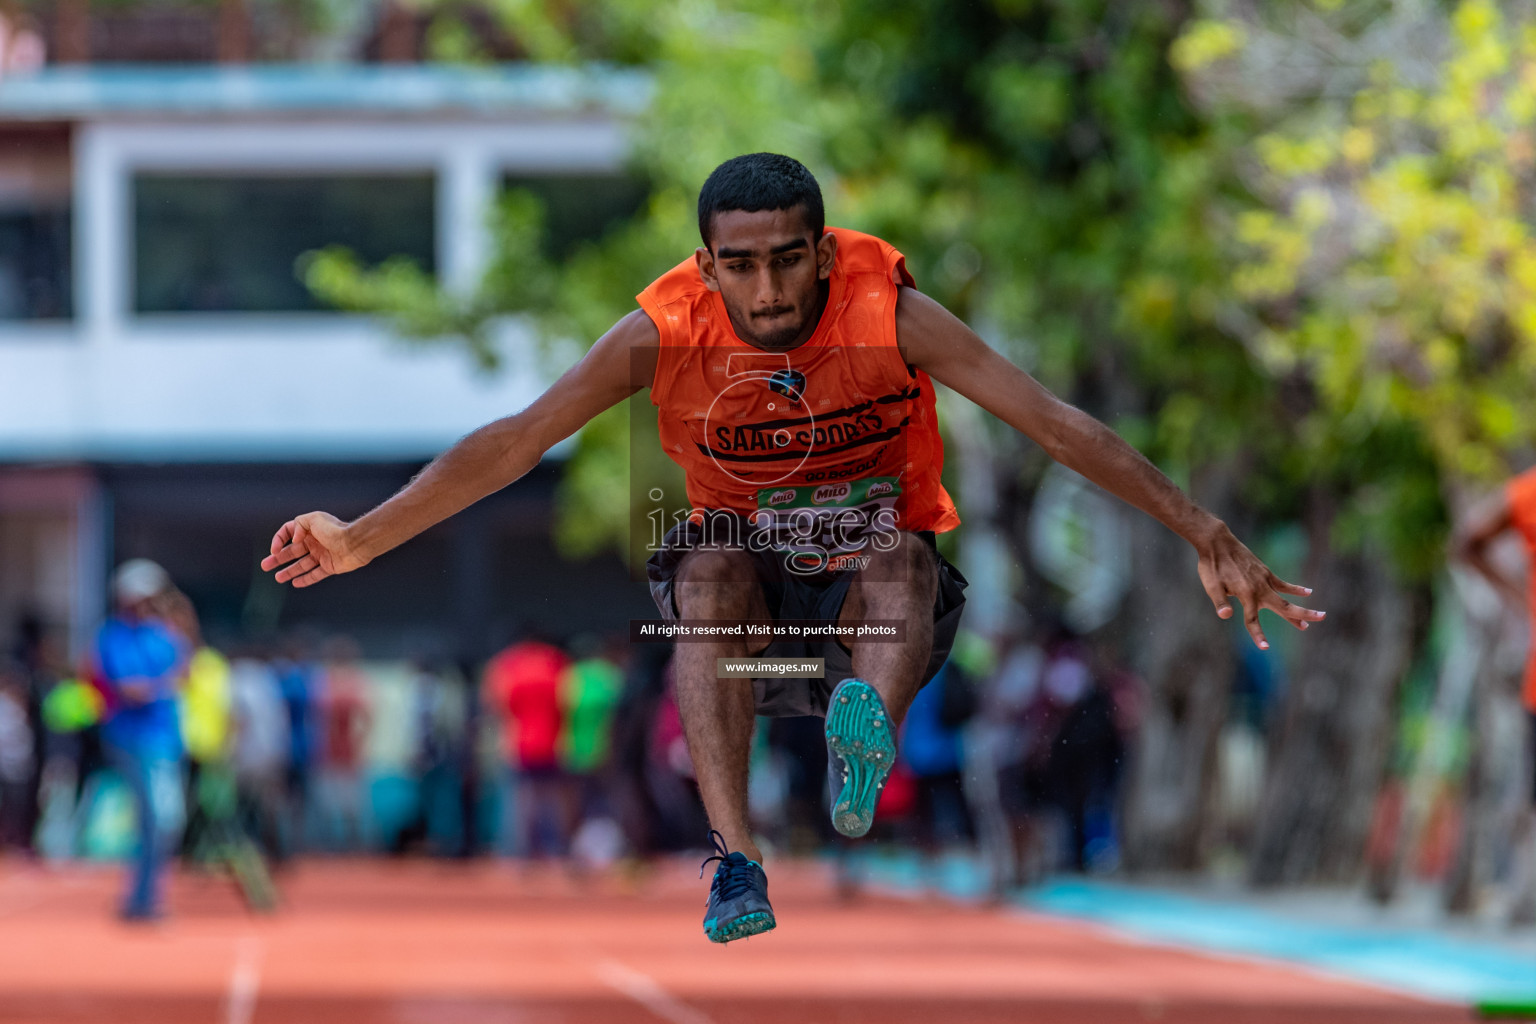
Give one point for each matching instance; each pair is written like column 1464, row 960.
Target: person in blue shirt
column 296, row 672
column 931, row 748
column 141, row 660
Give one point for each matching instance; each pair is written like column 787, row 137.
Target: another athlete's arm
column 936, row 341
column 313, row 546
column 1471, row 546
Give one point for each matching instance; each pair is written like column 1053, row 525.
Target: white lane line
column 244, row 982
column 645, row 990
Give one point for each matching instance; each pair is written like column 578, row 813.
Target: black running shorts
column 797, row 595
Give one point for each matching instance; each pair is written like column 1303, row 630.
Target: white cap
column 139, row 579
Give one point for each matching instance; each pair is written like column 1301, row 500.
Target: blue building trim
column 97, row 91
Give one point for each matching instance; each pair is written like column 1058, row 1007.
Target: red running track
column 413, row 942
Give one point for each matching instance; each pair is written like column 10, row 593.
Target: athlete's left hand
column 1228, row 569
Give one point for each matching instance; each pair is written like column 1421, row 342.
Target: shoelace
column 737, row 876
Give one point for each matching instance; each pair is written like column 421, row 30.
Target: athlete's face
column 771, row 274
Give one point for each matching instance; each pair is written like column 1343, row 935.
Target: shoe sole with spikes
column 859, row 734
column 747, row 924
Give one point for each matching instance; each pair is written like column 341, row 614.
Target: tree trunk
column 1494, row 786
column 1460, row 663
column 1184, row 653
column 234, row 45
column 1329, row 752
column 72, row 32
column 398, row 36
column 985, row 460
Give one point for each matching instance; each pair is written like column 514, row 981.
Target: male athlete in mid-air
column 790, row 365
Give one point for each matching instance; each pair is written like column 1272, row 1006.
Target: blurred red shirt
column 523, row 683
column 344, row 709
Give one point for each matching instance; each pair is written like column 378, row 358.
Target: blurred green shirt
column 589, row 693
column 72, row 705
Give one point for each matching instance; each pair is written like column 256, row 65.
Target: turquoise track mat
column 1422, row 962
column 1419, row 961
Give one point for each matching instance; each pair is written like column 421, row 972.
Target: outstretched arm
column 1472, row 541
column 313, row 546
column 936, row 341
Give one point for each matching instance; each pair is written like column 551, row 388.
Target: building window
column 580, row 207
column 35, row 264
column 230, row 243
column 35, row 223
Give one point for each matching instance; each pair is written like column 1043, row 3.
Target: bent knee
column 715, row 581
column 904, row 557
column 716, row 565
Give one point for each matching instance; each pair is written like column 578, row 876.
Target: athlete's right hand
column 308, row 549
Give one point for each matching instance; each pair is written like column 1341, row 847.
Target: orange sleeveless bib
column 823, row 442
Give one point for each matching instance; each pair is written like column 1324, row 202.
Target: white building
column 169, row 388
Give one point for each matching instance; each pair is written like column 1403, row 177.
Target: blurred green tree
column 1392, row 267
column 1393, row 259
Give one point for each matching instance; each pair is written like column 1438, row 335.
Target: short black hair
column 760, row 181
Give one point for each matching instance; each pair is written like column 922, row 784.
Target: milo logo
column 831, row 492
column 877, row 490
column 783, row 497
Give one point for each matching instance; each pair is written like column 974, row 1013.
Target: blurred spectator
column 441, row 723
column 72, row 713
column 296, row 673
column 997, row 749
column 1084, row 777
column 1074, row 750
column 802, row 742
column 206, row 701
column 17, row 744
column 345, row 720
column 930, row 746
column 522, row 684
column 645, row 682
column 671, row 775
column 39, row 664
column 214, row 834
column 260, row 753
column 140, row 662
column 590, row 689
column 473, row 765
column 206, row 709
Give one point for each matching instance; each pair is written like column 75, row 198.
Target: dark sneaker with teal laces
column 738, row 897
column 860, row 754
